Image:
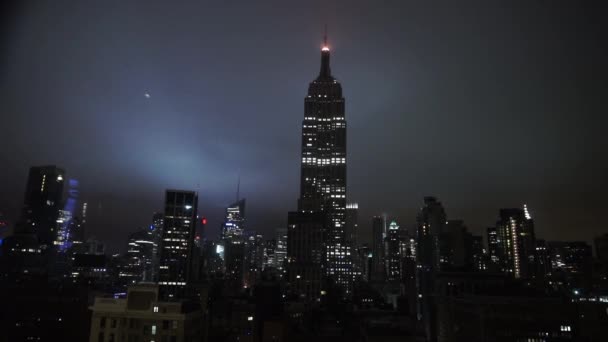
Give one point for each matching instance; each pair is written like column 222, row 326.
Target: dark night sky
column 483, row 105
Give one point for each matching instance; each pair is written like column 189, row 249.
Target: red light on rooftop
column 204, row 220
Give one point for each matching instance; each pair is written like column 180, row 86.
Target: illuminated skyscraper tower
column 317, row 245
column 516, row 242
column 177, row 242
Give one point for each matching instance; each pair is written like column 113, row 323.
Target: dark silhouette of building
column 178, row 242
column 254, row 259
column 571, row 263
column 42, row 201
column 28, row 251
column 156, row 229
column 601, row 247
column 431, row 221
column 322, row 189
column 378, row 271
column 305, row 253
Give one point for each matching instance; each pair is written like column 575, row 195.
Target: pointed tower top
column 325, row 70
column 238, row 188
column 325, row 46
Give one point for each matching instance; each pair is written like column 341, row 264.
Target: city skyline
column 446, row 139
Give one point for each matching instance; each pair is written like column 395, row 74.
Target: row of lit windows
column 180, row 283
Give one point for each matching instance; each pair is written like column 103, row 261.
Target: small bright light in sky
column 147, row 95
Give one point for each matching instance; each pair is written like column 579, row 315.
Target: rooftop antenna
column 325, row 36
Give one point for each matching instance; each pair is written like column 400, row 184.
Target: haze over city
column 483, row 106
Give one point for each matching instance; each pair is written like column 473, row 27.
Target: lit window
column 156, row 309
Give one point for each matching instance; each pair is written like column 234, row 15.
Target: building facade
column 322, row 189
column 378, row 271
column 177, row 242
column 42, row 201
column 142, row 316
column 516, row 243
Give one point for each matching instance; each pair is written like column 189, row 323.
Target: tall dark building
column 322, row 201
column 352, row 224
column 178, row 242
column 393, row 252
column 601, row 247
column 42, row 202
column 431, row 222
column 156, row 229
column 378, row 271
column 494, row 259
column 234, row 244
column 234, row 223
column 453, row 245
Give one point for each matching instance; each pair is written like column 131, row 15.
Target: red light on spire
column 204, row 220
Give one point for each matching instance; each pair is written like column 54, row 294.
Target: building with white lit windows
column 317, row 243
column 393, row 252
column 516, row 243
column 233, row 244
column 177, row 242
column 42, row 203
column 139, row 259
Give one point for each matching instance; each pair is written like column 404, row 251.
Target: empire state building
column 318, row 251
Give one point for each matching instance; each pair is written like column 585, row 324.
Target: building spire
column 325, row 70
column 238, row 188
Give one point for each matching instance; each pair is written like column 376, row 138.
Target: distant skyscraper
column 178, row 241
column 270, row 260
column 139, row 259
column 543, row 266
column 352, row 223
column 493, row 247
column 393, row 252
column 63, row 229
column 281, row 250
column 459, row 249
column 431, row 222
column 234, row 244
column 365, row 259
column 234, row 224
column 156, row 229
column 254, row 259
column 516, row 242
column 572, row 257
column 43, row 200
column 477, row 258
column 319, row 224
column 378, row 271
